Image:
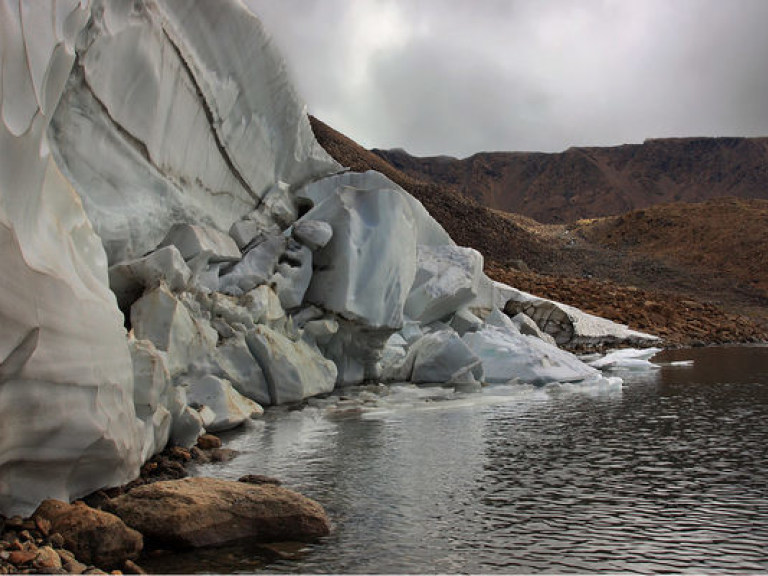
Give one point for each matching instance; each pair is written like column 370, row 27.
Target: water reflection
column 667, row 474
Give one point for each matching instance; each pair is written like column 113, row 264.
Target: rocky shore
column 111, row 531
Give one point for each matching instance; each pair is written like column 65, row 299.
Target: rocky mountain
column 593, row 182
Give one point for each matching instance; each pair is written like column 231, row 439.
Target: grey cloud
column 531, row 75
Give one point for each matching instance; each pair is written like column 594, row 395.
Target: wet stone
column 208, row 441
column 259, row 479
column 222, row 454
column 179, row 453
column 200, row 456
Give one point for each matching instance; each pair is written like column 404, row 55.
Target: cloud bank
column 459, row 76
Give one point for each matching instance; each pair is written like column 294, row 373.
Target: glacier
column 178, row 251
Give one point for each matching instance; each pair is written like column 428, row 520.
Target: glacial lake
column 667, row 473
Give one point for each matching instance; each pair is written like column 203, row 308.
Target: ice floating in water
column 383, row 401
column 627, row 359
column 678, row 363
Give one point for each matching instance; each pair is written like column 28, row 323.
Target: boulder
column 498, row 319
column 313, row 234
column 294, row 369
column 321, row 331
column 254, row 225
column 161, row 318
column 193, row 240
column 264, row 307
column 447, row 278
column 464, row 321
column 527, row 326
column 198, row 512
column 279, row 203
column 356, row 351
column 151, row 388
column 444, row 358
column 187, row 423
column 508, row 356
column 257, row 266
column 128, row 280
column 393, row 359
column 365, row 272
column 237, row 364
column 231, row 409
column 94, row 536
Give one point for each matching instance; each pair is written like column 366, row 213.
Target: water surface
column 667, row 473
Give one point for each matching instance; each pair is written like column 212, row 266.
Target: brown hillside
column 727, row 236
column 592, row 182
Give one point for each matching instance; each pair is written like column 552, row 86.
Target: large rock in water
column 197, row 512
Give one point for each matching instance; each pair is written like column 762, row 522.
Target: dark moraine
column 668, row 473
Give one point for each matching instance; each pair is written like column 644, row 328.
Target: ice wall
column 67, row 421
column 178, row 111
column 178, row 190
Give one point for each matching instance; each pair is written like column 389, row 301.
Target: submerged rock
column 197, row 512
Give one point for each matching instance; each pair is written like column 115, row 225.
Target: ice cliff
column 178, row 251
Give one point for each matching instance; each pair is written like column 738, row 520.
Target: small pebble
column 19, row 557
column 130, row 567
column 222, row 454
column 179, row 453
column 47, row 558
column 199, row 455
column 56, row 540
column 259, row 479
column 208, row 441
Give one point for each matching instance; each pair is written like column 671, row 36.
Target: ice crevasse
column 177, row 250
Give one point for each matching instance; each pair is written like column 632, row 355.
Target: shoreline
column 32, row 545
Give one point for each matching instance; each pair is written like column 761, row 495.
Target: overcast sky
column 462, row 76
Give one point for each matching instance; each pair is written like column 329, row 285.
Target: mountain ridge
column 589, row 182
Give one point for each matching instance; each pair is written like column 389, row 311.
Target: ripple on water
column 667, row 475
